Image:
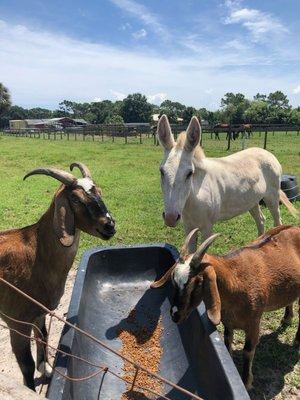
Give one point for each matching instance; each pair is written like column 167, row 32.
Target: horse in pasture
column 203, row 190
column 221, row 128
column 244, row 129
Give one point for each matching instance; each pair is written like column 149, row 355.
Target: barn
column 47, row 123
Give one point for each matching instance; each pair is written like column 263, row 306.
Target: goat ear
column 211, row 295
column 193, row 135
column 164, row 133
column 63, row 221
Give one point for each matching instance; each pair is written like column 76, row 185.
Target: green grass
column 128, row 175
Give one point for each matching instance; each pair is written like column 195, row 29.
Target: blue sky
column 191, row 51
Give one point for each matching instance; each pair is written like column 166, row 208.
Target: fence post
column 265, row 140
column 125, row 136
column 140, row 137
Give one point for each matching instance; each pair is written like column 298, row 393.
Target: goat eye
column 190, row 173
column 75, row 199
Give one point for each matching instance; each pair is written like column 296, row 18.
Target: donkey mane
column 198, row 152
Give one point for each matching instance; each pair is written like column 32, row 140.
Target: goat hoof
column 286, row 321
column 45, row 370
column 249, row 386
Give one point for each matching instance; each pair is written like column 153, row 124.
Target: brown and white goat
column 238, row 287
column 37, row 258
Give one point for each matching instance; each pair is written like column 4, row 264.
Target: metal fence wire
column 100, row 368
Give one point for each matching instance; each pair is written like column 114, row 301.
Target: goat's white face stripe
column 86, row 183
column 181, row 273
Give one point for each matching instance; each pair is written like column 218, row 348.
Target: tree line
column 235, row 108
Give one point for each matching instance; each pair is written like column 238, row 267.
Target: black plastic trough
column 112, row 281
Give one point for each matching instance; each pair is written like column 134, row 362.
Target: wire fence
column 100, row 368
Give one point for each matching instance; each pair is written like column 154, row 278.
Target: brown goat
column 238, row 287
column 37, row 258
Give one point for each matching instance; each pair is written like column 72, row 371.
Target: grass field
column 128, row 175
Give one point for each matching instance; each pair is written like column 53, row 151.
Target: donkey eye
column 190, row 173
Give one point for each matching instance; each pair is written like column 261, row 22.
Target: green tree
column 114, row 120
column 39, row 113
column 101, row 110
column 260, row 97
column 135, row 108
column 188, row 113
column 234, row 106
column 173, row 109
column 5, row 102
column 278, row 100
column 257, row 113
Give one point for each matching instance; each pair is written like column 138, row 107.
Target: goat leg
column 297, row 338
column 21, row 348
column 228, row 339
column 288, row 315
column 41, row 355
column 252, row 337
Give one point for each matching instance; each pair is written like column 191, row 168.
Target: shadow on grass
column 272, row 361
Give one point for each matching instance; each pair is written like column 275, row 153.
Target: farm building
column 57, row 123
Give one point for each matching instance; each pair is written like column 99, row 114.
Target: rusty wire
column 102, row 344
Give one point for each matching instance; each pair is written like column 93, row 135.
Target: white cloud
column 141, row 34
column 118, row 95
column 260, row 24
column 43, row 68
column 125, row 27
column 143, row 14
column 296, row 90
column 97, row 99
column 157, row 98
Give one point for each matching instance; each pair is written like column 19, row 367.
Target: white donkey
column 203, row 190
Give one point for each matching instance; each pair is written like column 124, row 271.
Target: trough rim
column 57, row 383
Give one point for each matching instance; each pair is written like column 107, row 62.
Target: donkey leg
column 41, row 355
column 259, row 219
column 21, row 348
column 273, row 205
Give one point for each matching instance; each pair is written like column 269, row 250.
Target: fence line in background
column 101, row 132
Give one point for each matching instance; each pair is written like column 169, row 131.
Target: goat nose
column 171, row 219
column 110, row 225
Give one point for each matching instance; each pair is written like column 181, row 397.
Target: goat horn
column 184, row 250
column 62, row 176
column 83, row 169
column 197, row 257
column 164, row 278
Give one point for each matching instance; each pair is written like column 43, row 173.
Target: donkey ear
column 211, row 295
column 164, row 133
column 63, row 221
column 193, row 135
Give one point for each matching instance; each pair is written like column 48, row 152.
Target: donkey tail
column 283, row 198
